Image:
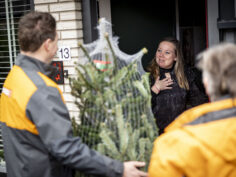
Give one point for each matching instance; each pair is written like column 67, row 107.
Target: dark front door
column 142, row 24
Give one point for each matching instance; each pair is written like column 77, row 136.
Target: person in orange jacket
column 201, row 142
column 36, row 126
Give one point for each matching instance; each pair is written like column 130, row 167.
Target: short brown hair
column 34, row 29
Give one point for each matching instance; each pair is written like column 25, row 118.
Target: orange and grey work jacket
column 201, row 142
column 37, row 131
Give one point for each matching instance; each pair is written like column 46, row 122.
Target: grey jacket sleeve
column 51, row 117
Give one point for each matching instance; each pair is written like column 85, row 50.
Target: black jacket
column 168, row 104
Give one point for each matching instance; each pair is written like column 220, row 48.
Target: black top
column 168, row 104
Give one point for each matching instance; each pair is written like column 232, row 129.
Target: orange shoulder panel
column 195, row 112
column 17, row 90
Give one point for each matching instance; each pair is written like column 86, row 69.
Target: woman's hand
column 162, row 84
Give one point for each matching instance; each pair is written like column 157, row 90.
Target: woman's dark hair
column 154, row 68
column 34, row 29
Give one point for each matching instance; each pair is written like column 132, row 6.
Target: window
column 10, row 13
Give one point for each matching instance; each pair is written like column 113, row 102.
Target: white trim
column 177, row 19
column 6, row 91
column 105, row 9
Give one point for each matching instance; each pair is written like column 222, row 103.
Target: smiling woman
column 173, row 87
column 166, row 55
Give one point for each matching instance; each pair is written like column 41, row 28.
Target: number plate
column 64, row 53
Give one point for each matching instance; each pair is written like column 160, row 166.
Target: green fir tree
column 115, row 107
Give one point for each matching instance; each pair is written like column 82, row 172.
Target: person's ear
column 46, row 44
column 206, row 82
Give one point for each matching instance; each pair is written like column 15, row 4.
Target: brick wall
column 69, row 26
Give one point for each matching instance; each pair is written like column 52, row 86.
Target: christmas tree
column 113, row 96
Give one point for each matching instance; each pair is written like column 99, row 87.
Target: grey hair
column 219, row 67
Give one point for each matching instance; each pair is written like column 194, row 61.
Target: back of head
column 219, row 65
column 34, row 29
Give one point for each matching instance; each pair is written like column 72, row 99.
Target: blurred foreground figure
column 201, row 142
column 36, row 126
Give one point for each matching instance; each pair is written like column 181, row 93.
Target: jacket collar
column 194, row 113
column 28, row 62
column 162, row 70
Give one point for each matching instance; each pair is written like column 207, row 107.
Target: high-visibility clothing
column 37, row 131
column 201, row 142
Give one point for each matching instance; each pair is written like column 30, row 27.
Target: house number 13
column 64, row 53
